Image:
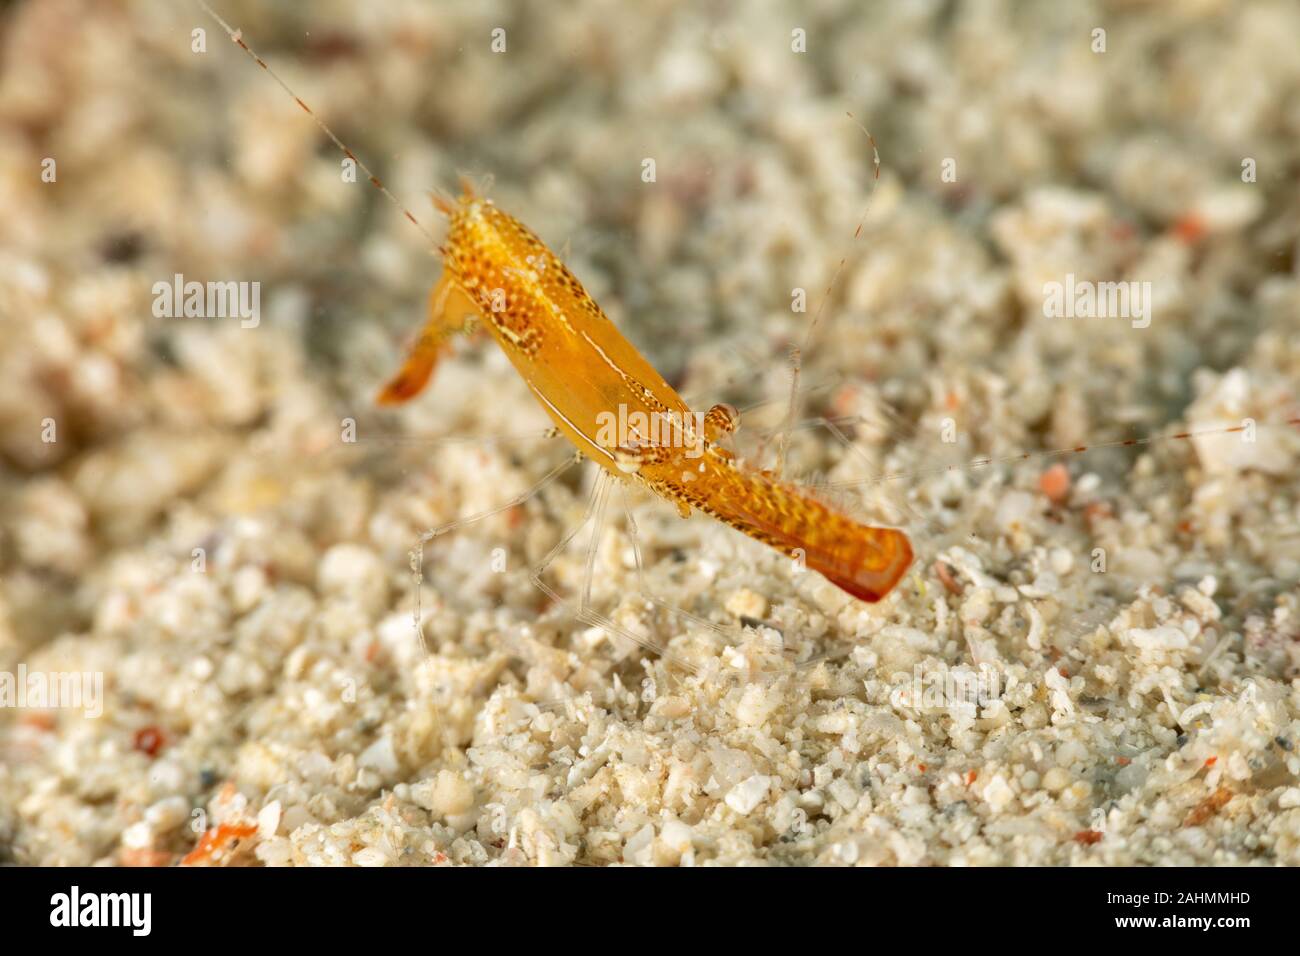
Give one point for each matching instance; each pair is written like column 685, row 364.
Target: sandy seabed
column 182, row 512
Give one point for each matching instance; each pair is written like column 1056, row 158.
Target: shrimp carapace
column 611, row 403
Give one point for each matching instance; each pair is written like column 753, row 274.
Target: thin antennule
column 237, row 37
column 987, row 461
column 797, row 354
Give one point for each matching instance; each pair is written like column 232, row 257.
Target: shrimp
column 586, row 376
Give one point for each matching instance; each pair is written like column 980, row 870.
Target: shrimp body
column 588, row 378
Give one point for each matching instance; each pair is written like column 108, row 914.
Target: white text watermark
column 208, row 300
column 1083, row 299
column 43, row 690
column 638, row 429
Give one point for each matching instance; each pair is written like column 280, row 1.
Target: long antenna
column 799, row 351
column 1049, row 453
column 237, row 37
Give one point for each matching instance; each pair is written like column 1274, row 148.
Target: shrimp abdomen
column 863, row 560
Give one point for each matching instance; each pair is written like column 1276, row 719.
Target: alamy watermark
column 133, row 911
column 948, row 689
column 638, row 429
column 1083, row 299
column 41, row 690
column 208, row 300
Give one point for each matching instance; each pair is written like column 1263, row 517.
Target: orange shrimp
column 587, row 377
